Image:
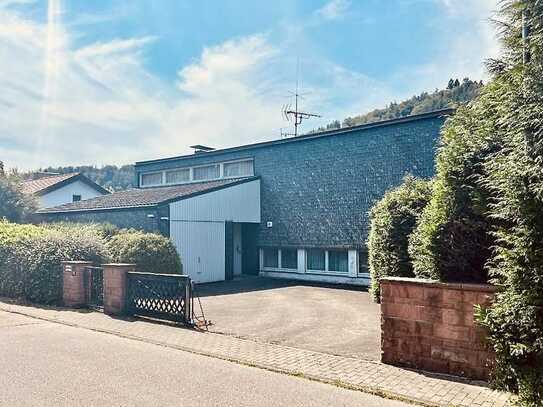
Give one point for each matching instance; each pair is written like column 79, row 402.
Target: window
column 178, row 176
column 238, row 169
column 316, row 259
column 271, row 258
column 206, row 173
column 289, row 259
column 76, row 198
column 338, row 260
column 154, row 178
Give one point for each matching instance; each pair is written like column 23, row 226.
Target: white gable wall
column 197, row 227
column 65, row 194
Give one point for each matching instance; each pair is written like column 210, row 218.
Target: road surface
column 47, row 364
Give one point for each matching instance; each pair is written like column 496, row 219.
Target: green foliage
column 452, row 241
column 515, row 329
column 393, row 219
column 14, row 204
column 31, row 256
column 456, row 94
column 151, row 253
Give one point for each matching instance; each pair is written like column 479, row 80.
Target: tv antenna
column 295, row 114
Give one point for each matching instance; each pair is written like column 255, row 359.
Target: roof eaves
column 366, row 126
column 47, row 211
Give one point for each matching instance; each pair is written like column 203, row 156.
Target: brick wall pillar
column 115, row 282
column 74, row 292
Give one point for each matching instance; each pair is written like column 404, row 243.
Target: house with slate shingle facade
column 296, row 208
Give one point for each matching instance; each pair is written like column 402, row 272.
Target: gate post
column 115, row 288
column 74, row 293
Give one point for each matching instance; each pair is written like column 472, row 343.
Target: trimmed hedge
column 151, row 253
column 31, row 256
column 392, row 220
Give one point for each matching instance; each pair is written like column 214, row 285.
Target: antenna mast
column 296, row 114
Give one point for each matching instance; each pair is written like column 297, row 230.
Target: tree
column 15, row 205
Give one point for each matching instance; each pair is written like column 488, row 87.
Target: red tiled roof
column 142, row 197
column 37, row 185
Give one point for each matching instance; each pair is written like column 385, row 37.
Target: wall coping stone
column 118, row 265
column 76, row 262
column 439, row 284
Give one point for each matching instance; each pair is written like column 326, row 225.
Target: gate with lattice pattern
column 162, row 296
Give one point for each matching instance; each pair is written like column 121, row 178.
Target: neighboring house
column 295, row 208
column 58, row 189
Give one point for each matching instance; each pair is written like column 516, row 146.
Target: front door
column 238, row 249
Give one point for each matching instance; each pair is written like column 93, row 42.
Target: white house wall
column 239, row 203
column 201, row 246
column 65, row 194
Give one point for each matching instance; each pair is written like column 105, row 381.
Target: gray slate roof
column 144, row 197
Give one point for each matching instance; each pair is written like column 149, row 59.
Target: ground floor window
column 289, row 259
column 271, row 258
column 333, row 261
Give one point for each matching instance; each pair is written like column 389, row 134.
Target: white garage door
column 201, row 246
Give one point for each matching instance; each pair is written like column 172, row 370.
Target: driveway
column 330, row 319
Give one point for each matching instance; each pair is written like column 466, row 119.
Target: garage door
column 201, row 246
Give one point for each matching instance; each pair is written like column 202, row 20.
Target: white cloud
column 334, row 9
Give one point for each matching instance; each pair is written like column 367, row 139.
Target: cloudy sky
column 116, row 81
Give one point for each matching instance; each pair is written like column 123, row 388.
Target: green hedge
column 393, row 219
column 151, row 253
column 31, row 256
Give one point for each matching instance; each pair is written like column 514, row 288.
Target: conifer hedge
column 393, row 219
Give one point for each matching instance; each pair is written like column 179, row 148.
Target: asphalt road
column 47, row 364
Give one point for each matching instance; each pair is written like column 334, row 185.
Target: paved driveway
column 330, row 319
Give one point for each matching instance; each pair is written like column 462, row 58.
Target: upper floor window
column 76, row 198
column 238, row 169
column 178, row 176
column 229, row 169
column 206, row 173
column 154, row 178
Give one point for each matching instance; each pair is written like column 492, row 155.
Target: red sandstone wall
column 430, row 326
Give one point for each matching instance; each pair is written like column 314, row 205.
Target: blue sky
column 111, row 81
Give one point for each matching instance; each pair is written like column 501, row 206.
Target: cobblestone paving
column 368, row 376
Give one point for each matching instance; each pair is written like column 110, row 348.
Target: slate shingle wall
column 125, row 218
column 318, row 192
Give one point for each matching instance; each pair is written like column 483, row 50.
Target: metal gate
column 163, row 296
column 95, row 286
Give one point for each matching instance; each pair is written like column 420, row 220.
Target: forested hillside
column 118, row 178
column 455, row 94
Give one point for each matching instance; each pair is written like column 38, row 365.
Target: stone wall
column 146, row 219
column 429, row 325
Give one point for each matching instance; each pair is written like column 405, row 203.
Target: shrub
column 15, row 205
column 452, row 241
column 151, row 253
column 31, row 256
column 393, row 219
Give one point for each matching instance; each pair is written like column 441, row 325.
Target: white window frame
column 326, row 263
column 191, row 169
column 280, row 260
column 177, row 169
column 151, row 173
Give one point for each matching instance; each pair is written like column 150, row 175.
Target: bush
column 393, row 219
column 452, row 241
column 151, row 253
column 31, row 256
column 15, row 205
